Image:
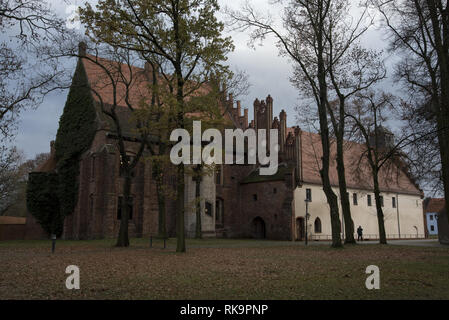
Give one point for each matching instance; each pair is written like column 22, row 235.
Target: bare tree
column 419, row 31
column 423, row 155
column 119, row 72
column 10, row 162
column 25, row 74
column 382, row 153
column 13, row 180
column 352, row 69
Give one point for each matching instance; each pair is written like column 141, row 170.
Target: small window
column 432, row 228
column 119, row 208
column 275, row 190
column 369, row 201
column 309, row 195
column 354, row 199
column 317, row 225
column 131, row 158
column 393, row 202
column 381, row 201
column 209, row 209
column 431, row 217
column 255, row 197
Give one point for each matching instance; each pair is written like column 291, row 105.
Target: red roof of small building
column 435, row 205
column 12, row 220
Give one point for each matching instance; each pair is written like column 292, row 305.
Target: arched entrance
column 300, row 229
column 259, row 231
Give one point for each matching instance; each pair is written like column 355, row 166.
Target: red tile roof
column 435, row 205
column 139, row 78
column 391, row 178
column 100, row 81
column 139, row 88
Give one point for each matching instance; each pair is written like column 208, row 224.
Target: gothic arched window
column 317, row 225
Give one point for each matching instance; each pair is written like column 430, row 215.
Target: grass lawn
column 220, row 269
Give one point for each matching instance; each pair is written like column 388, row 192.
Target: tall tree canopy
column 185, row 34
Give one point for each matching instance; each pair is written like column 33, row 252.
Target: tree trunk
column 344, row 197
column 441, row 40
column 198, row 229
column 324, row 128
column 180, row 227
column 123, row 238
column 443, row 140
column 162, row 229
column 330, row 194
column 380, row 213
column 443, row 130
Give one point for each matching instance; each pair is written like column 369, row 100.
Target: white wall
column 410, row 209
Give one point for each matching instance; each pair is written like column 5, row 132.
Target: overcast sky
column 268, row 74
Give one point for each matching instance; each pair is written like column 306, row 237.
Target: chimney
column 269, row 110
column 283, row 129
column 239, row 109
column 82, row 49
column 256, row 111
column 245, row 115
column 269, row 117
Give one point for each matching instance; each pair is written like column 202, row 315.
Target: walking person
column 360, row 233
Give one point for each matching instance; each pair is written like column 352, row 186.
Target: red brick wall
column 274, row 208
column 240, row 208
column 12, row 232
column 229, row 192
column 105, row 187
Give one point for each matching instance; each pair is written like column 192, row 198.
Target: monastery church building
column 236, row 201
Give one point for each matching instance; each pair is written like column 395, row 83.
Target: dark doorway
column 300, row 234
column 259, row 231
